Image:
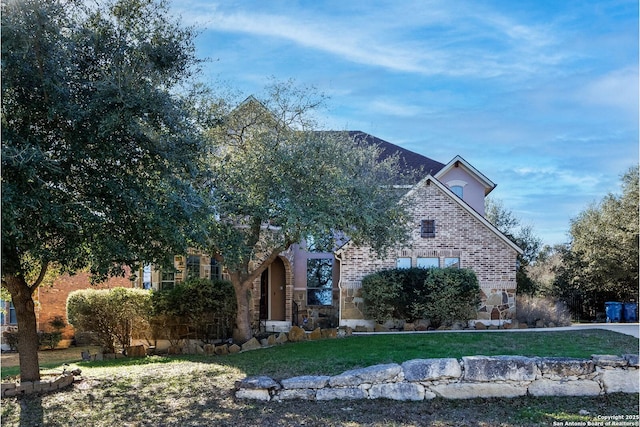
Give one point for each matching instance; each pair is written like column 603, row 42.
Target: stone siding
column 449, row 378
column 459, row 233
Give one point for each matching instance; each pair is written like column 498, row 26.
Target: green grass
column 198, row 390
column 330, row 357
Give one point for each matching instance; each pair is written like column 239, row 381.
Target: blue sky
column 541, row 95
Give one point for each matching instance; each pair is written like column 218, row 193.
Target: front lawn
column 198, row 390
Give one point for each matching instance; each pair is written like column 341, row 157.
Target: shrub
column 440, row 295
column 113, row 315
column 57, row 323
column 11, row 339
column 49, row 340
column 381, row 292
column 205, row 308
column 531, row 310
column 448, row 295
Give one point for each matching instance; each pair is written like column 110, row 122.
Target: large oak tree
column 603, row 254
column 277, row 181
column 99, row 156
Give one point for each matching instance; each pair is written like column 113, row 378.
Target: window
column 452, row 262
column 146, row 277
column 167, row 280
column 319, row 281
column 8, row 313
column 193, row 266
column 403, row 263
column 428, row 228
column 216, row 269
column 457, row 190
column 428, row 263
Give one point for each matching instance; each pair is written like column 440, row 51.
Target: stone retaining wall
column 449, row 378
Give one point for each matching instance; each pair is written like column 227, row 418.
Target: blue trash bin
column 630, row 312
column 614, row 311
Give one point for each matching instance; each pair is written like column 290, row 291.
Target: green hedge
column 198, row 308
column 442, row 295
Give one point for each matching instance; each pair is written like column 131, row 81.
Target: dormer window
column 458, row 190
column 457, row 187
column 428, row 228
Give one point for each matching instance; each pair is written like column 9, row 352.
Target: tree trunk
column 242, row 331
column 22, row 297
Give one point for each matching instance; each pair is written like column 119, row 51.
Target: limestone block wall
column 450, row 378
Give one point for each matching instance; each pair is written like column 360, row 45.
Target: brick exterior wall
column 458, row 234
column 53, row 299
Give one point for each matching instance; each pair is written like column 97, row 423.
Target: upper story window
column 428, row 228
column 458, row 190
column 457, row 187
column 146, row 277
column 8, row 313
column 167, row 280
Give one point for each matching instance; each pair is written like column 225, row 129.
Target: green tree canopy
column 99, row 155
column 277, row 181
column 603, row 255
column 522, row 235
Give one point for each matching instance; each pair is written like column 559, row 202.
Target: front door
column 277, row 290
column 272, row 292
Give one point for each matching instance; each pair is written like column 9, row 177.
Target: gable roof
column 469, row 209
column 458, row 161
column 409, row 161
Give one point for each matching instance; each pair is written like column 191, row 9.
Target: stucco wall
column 473, row 191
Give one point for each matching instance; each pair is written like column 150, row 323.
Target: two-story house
column 314, row 288
column 448, row 230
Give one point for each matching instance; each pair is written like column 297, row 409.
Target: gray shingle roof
column 409, row 161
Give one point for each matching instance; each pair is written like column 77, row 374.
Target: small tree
column 52, row 337
column 111, row 314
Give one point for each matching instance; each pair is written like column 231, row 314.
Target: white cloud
column 384, row 37
column 617, row 89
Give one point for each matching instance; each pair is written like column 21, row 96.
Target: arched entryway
column 273, row 292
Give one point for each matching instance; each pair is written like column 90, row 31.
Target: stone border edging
column 29, row 387
column 449, row 378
